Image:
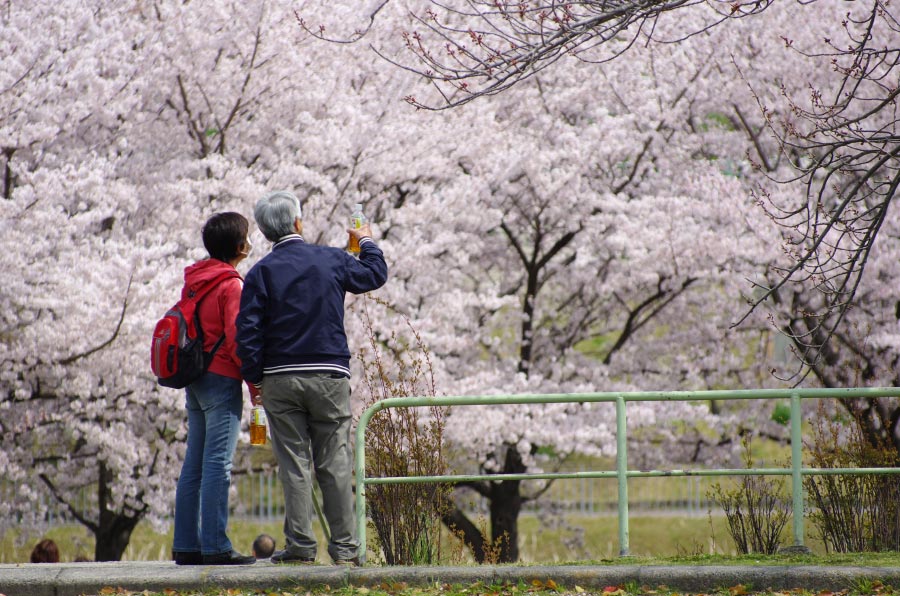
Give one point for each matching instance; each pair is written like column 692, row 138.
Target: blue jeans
column 214, row 406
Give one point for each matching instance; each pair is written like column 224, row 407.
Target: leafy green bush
column 403, row 442
column 853, row 513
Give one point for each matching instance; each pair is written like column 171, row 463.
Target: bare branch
column 112, row 338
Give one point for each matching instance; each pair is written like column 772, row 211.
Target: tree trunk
column 457, row 522
column 505, row 505
column 112, row 536
column 8, row 172
column 113, row 531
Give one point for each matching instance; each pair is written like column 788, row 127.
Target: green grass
column 657, row 537
column 660, row 536
column 145, row 545
column 664, row 540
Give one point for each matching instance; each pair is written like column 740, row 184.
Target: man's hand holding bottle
column 360, row 232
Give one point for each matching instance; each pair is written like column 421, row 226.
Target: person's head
column 45, row 551
column 263, row 546
column 276, row 214
column 225, row 236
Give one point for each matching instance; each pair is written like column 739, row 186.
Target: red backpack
column 176, row 352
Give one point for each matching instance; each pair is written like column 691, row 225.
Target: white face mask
column 249, row 250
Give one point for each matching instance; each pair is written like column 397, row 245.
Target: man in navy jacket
column 293, row 347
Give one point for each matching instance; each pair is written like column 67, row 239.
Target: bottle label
column 258, row 416
column 258, row 428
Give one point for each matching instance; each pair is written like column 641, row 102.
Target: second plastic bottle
column 357, row 220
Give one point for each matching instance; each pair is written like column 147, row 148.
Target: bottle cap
column 357, row 207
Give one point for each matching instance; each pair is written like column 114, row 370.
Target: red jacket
column 217, row 311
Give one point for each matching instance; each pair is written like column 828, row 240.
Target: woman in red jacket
column 214, row 404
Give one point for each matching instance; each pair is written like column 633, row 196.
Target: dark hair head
column 223, row 234
column 263, row 546
column 45, row 551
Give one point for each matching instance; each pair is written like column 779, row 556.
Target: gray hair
column 275, row 214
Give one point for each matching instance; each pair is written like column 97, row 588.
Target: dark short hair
column 45, row 551
column 263, row 546
column 223, row 234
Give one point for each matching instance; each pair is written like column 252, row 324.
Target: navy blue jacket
column 292, row 307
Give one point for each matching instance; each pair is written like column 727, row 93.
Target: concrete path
column 76, row 579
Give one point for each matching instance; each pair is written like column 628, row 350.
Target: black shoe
column 232, row 557
column 354, row 562
column 284, row 556
column 187, row 558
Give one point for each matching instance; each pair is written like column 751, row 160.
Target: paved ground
column 76, row 579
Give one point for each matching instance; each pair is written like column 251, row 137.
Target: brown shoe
column 354, row 562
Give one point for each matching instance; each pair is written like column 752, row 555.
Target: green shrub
column 755, row 508
column 853, row 513
column 403, row 442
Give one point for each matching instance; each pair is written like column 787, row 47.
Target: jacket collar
column 286, row 239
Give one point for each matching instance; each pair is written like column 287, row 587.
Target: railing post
column 797, row 468
column 361, row 478
column 622, row 474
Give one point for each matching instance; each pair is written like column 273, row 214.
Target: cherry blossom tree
column 811, row 105
column 842, row 138
column 123, row 128
column 597, row 220
column 76, row 275
column 839, row 132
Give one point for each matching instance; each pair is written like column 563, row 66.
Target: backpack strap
column 212, row 284
column 189, row 304
column 209, row 355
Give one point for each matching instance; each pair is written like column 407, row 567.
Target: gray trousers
column 309, row 421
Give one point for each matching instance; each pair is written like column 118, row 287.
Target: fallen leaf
column 579, row 589
column 738, row 590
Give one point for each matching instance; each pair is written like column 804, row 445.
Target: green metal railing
column 622, row 473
